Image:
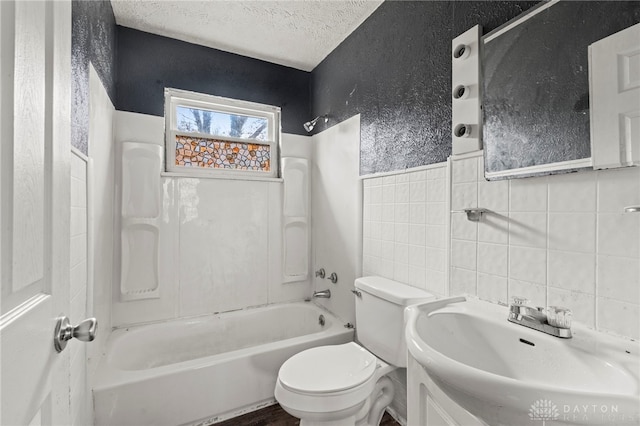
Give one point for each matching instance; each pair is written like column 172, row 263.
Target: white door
column 35, row 53
column 614, row 74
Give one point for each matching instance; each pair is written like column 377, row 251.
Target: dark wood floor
column 275, row 415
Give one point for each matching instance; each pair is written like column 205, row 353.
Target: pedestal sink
column 506, row 374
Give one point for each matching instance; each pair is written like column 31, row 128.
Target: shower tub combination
column 203, row 370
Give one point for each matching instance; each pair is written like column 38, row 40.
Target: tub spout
column 323, row 294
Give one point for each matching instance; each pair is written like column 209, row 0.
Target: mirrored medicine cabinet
column 536, row 87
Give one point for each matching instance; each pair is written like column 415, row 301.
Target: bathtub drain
column 321, row 320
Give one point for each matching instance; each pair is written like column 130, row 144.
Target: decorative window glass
column 211, row 135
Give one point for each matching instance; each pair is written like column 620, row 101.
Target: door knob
column 85, row 331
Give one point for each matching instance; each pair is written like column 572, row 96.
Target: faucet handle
column 520, row 301
column 558, row 316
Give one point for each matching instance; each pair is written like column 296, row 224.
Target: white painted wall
column 220, row 239
column 336, row 205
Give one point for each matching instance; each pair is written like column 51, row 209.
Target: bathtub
column 203, row 370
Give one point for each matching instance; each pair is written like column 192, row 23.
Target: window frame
column 183, row 98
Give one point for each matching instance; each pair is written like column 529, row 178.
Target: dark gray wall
column 148, row 63
column 395, row 70
column 93, row 40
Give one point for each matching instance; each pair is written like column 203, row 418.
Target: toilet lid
column 328, row 368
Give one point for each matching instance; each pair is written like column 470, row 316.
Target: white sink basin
column 502, row 372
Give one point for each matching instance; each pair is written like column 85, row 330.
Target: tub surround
column 242, row 268
column 336, row 218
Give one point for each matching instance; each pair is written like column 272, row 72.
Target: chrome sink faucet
column 554, row 320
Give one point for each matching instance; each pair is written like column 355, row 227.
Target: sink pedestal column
column 427, row 404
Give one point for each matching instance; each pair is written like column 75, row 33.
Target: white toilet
column 347, row 384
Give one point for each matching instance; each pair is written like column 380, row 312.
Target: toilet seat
column 328, row 369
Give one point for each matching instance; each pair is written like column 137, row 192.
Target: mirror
column 536, row 86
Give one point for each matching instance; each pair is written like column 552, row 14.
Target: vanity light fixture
column 460, row 92
column 461, row 51
column 462, row 130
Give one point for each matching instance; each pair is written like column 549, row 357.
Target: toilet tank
column 380, row 316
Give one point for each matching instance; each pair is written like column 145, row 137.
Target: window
column 215, row 136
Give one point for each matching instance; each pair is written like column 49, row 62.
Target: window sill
column 225, row 177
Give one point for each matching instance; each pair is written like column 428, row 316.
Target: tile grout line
column 547, row 254
column 596, row 283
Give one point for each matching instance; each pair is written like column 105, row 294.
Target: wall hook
column 475, row 214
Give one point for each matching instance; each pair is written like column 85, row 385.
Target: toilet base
column 351, row 420
column 367, row 413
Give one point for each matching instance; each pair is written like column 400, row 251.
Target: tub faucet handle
column 320, row 273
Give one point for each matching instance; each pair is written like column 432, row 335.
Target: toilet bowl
column 335, row 385
column 347, row 384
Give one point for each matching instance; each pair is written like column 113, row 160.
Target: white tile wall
column 561, row 239
column 405, row 227
column 80, row 413
column 102, row 212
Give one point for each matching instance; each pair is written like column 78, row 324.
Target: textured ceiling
column 295, row 33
